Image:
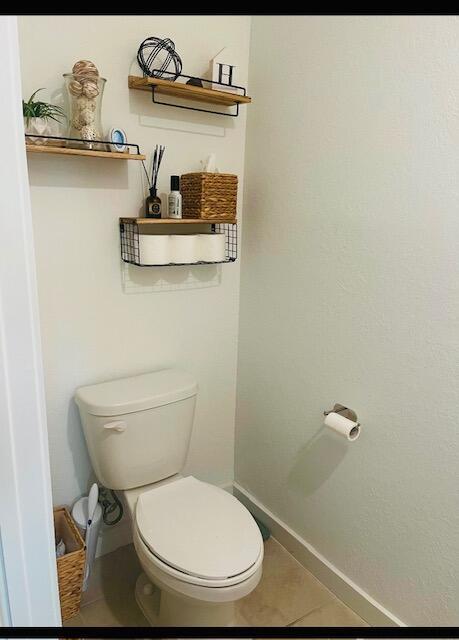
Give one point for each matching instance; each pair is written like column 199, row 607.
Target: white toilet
column 200, row 548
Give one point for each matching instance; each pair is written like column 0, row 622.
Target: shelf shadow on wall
column 316, row 461
column 78, row 172
column 136, row 280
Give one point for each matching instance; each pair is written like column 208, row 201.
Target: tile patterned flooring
column 287, row 595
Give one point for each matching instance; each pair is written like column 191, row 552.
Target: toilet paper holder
column 343, row 411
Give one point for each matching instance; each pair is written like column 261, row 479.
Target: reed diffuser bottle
column 153, row 201
column 153, row 205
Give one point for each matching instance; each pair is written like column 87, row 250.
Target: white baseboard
column 226, row 486
column 342, row 586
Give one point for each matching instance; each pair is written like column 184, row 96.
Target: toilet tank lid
column 146, row 391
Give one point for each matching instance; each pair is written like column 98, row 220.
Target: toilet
column 200, row 548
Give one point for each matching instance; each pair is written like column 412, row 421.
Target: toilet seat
column 152, row 564
column 198, row 533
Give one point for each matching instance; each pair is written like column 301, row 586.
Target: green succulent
column 38, row 109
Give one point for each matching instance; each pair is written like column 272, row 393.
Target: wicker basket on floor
column 70, row 567
column 210, row 196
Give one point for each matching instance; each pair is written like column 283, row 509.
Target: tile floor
column 287, row 594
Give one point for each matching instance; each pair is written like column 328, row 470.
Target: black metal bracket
column 236, row 88
column 81, row 141
column 182, row 106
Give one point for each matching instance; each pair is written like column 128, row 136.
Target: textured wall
column 350, row 293
column 99, row 320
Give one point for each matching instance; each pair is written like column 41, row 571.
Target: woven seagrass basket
column 210, row 196
column 70, row 567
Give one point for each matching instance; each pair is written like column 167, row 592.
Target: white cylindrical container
column 174, row 201
column 80, row 515
column 184, row 249
column 346, row 428
column 211, row 247
column 154, row 249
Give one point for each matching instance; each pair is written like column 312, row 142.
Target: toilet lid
column 198, row 529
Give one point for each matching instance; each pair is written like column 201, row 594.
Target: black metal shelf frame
column 85, row 142
column 202, row 80
column 130, row 249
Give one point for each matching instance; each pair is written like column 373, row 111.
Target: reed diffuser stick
column 153, row 202
column 156, row 163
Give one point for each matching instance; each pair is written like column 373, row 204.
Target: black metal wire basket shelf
column 130, row 245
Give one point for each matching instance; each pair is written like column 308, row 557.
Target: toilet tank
column 138, row 429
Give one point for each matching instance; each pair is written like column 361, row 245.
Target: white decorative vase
column 36, row 127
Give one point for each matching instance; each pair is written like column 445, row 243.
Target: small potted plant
column 37, row 116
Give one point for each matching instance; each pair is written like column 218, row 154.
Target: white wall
column 99, row 320
column 350, row 293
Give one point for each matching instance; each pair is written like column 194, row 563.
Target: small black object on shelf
column 195, row 82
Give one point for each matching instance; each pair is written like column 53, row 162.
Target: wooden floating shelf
column 175, row 221
column 187, row 91
column 68, row 151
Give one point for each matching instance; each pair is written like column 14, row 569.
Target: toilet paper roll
column 154, row 249
column 346, row 428
column 211, row 247
column 184, row 249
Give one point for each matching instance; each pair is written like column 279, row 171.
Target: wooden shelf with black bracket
column 158, row 86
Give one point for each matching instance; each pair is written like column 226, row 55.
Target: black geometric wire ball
column 156, row 55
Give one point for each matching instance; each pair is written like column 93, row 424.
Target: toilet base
column 164, row 609
column 147, row 596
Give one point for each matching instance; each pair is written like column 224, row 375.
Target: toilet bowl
column 200, row 548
